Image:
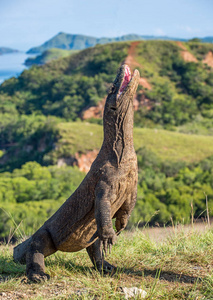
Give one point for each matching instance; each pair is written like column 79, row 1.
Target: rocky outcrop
column 95, row 112
column 209, row 59
column 186, row 55
column 82, row 161
column 144, row 83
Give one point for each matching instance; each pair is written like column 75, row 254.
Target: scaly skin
column 108, row 191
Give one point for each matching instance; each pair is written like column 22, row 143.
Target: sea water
column 12, row 64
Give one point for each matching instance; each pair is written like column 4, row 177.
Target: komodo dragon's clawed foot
column 37, row 277
column 106, row 268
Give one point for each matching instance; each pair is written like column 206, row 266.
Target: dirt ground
column 159, row 234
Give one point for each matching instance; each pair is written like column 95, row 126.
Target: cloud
column 159, row 31
column 189, row 29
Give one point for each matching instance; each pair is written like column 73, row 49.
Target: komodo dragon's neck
column 119, row 115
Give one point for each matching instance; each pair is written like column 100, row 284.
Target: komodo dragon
column 108, row 191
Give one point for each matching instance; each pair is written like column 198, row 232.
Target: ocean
column 12, row 65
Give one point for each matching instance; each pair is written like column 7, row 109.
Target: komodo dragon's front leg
column 124, row 212
column 104, row 197
column 96, row 255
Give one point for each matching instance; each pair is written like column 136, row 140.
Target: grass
column 174, row 146
column 167, row 145
column 179, row 267
column 90, row 137
column 48, row 56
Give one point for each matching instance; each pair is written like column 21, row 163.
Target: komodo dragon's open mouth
column 126, row 79
column 122, row 89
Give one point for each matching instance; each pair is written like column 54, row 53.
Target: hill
column 42, row 148
column 175, row 88
column 208, row 39
column 175, row 171
column 51, row 142
column 47, row 56
column 78, row 42
column 163, row 143
column 4, row 50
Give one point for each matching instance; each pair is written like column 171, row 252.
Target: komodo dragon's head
column 122, row 91
column 120, row 96
column 118, row 111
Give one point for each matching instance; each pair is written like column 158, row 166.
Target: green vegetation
column 179, row 267
column 78, row 42
column 175, row 167
column 199, row 50
column 47, row 139
column 168, row 190
column 175, row 159
column 25, row 138
column 43, row 189
column 181, row 91
column 47, row 56
column 166, row 145
column 171, row 177
column 64, row 87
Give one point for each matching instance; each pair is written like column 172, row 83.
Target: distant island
column 64, row 44
column 47, row 56
column 78, row 42
column 5, row 50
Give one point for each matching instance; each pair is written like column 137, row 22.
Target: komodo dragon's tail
column 19, row 252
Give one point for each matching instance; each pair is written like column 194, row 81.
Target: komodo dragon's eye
column 112, row 89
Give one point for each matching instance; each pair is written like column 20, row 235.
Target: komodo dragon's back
column 108, row 191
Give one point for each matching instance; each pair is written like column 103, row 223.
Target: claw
column 105, row 243
column 38, row 277
column 109, row 247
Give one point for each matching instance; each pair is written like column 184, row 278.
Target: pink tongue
column 127, row 78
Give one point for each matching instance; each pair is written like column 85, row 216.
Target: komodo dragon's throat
column 108, row 191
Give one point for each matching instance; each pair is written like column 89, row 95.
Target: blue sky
column 28, row 23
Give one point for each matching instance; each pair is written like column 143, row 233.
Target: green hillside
column 167, row 145
column 78, row 41
column 180, row 93
column 64, row 87
column 65, row 41
column 47, row 56
column 46, row 140
column 40, row 125
column 175, row 170
column 208, row 39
